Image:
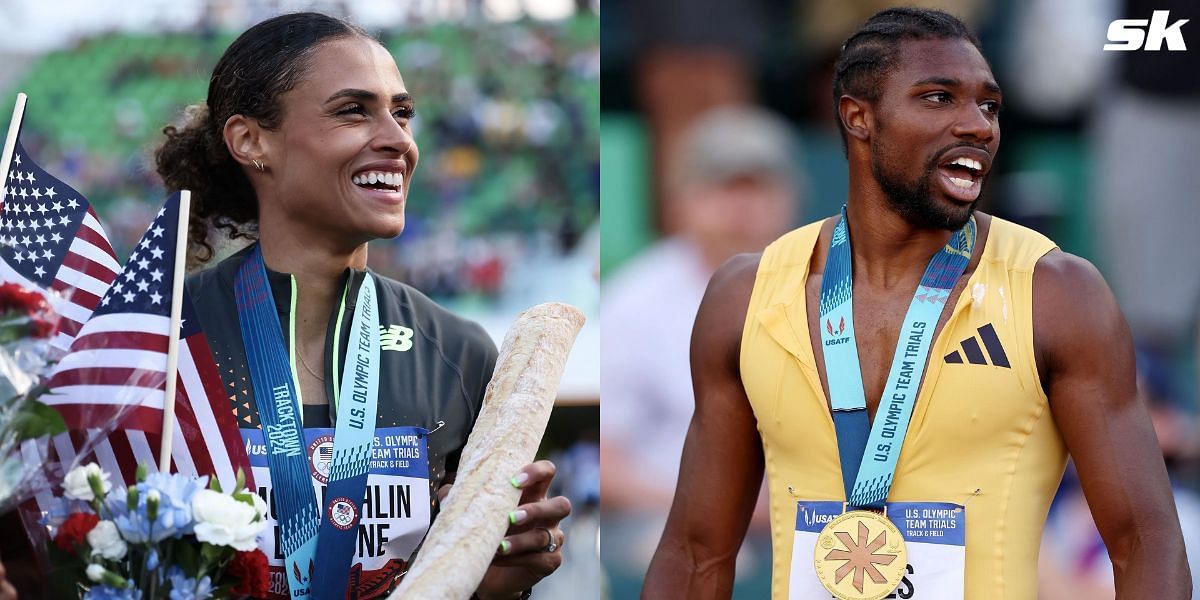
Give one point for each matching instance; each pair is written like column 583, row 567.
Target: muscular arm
column 1085, row 354
column 722, row 464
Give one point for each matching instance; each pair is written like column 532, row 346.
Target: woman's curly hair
column 262, row 64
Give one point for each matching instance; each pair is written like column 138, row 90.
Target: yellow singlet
column 981, row 433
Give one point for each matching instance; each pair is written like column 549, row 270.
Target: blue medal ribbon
column 353, row 440
column 869, row 463
column 277, row 399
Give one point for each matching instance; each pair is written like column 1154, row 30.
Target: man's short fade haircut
column 870, row 53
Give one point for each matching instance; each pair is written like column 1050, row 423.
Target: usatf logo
column 838, row 333
column 395, row 337
column 1133, row 32
column 342, row 513
column 320, row 456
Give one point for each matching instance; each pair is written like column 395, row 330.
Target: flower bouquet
column 26, row 323
column 168, row 536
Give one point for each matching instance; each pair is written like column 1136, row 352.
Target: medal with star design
column 860, row 556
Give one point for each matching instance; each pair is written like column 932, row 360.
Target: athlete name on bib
column 394, row 515
column 934, row 534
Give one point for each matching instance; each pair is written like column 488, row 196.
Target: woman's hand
column 7, row 592
column 526, row 555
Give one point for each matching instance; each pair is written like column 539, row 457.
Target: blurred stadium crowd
column 1098, row 152
column 507, row 125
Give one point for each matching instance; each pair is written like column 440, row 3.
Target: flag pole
column 181, row 236
column 10, row 142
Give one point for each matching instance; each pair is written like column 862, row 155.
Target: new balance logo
column 974, row 354
column 397, row 338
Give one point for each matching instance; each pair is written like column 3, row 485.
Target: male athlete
column 1029, row 360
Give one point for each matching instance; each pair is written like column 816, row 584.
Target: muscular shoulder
column 718, row 330
column 1076, row 319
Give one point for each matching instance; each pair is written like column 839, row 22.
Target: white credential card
column 934, row 534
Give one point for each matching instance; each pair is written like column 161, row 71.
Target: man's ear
column 857, row 118
column 245, row 140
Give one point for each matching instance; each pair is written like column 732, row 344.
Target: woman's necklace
column 304, row 364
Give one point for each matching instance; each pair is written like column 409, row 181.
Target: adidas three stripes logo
column 974, row 354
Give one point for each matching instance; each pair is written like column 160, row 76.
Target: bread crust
column 516, row 407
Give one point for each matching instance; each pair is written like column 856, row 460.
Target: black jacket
column 439, row 378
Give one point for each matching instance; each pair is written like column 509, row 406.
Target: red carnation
column 250, row 571
column 74, row 530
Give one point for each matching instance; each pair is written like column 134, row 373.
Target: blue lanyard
column 276, row 396
column 867, row 475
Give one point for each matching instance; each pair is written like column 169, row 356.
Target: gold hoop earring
column 258, row 164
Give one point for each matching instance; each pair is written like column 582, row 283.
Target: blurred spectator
column 1074, row 562
column 1147, row 134
column 734, row 188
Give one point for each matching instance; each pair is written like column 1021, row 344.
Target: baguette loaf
column 516, row 406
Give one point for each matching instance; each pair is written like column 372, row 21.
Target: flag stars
column 143, row 264
column 128, row 296
column 56, row 207
column 64, row 220
column 157, row 253
column 156, row 298
column 157, row 231
column 54, row 237
column 50, row 193
column 49, row 223
column 17, row 160
column 39, row 271
column 41, row 207
column 142, row 285
column 47, row 254
column 40, row 240
column 38, row 196
column 156, row 275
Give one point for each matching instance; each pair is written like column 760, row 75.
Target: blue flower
column 173, row 514
column 186, row 588
column 104, row 592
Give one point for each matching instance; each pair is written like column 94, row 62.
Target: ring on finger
column 550, row 545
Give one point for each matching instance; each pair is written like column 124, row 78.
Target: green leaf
column 210, row 553
column 35, row 420
column 214, row 485
column 241, row 480
column 187, row 558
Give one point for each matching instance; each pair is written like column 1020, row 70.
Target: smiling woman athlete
column 305, row 143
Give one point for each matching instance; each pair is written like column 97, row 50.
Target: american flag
column 115, row 372
column 52, row 242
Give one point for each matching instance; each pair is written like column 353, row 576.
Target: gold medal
column 860, row 556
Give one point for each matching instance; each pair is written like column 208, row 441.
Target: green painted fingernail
column 505, row 546
column 519, row 480
column 517, row 516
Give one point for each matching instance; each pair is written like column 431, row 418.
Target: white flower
column 224, row 521
column 106, row 541
column 76, row 485
column 95, row 572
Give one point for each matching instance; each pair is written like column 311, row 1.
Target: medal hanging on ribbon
column 861, row 554
column 277, row 398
